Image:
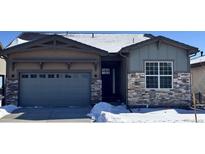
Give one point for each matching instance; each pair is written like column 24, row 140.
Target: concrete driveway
column 66, row 114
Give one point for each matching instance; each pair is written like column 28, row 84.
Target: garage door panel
column 55, row 89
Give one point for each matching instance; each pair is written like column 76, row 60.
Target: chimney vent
column 201, row 53
column 93, row 35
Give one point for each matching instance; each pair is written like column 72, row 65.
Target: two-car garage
column 53, row 71
column 52, row 89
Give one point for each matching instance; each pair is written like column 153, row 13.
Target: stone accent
column 179, row 96
column 96, row 90
column 12, row 91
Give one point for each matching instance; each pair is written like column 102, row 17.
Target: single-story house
column 198, row 77
column 73, row 69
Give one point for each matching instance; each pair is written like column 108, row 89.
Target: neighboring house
column 68, row 69
column 198, row 75
column 2, row 74
column 2, row 63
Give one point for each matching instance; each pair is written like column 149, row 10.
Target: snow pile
column 102, row 108
column 104, row 112
column 118, row 118
column 5, row 110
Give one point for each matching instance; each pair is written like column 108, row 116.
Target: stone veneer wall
column 96, row 90
column 180, row 95
column 12, row 91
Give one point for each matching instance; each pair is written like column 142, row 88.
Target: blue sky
column 193, row 38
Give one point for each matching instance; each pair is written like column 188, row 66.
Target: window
column 67, row 76
column 51, row 76
column 105, row 71
column 42, row 76
column 159, row 75
column 33, row 76
column 24, row 76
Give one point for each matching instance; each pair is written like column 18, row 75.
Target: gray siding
column 162, row 52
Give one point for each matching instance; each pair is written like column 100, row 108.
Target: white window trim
column 158, row 75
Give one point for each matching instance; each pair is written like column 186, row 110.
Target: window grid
column 105, row 71
column 160, row 74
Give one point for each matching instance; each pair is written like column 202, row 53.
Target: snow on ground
column 104, row 112
column 5, row 110
column 97, row 110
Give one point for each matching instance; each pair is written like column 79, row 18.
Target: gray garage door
column 54, row 89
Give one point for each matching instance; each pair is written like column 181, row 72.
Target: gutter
column 192, row 55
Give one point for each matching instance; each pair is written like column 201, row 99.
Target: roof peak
column 111, row 42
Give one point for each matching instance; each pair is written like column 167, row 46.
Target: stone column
column 12, row 88
column 96, row 90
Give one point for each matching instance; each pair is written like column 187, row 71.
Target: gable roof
column 112, row 43
column 107, row 42
column 190, row 49
column 20, row 44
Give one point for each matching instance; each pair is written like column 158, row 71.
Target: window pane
column 51, row 76
column 165, row 82
column 165, row 68
column 33, row 76
column 151, row 82
column 151, row 68
column 105, row 71
column 24, row 76
column 42, row 76
column 68, row 76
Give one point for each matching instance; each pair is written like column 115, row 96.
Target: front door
column 107, row 85
column 110, row 81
